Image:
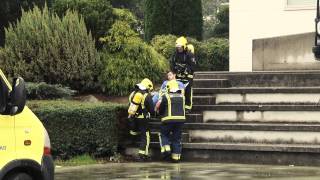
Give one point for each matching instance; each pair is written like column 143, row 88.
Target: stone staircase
column 258, row 117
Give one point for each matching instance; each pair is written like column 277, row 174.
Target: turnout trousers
column 140, row 127
column 170, row 139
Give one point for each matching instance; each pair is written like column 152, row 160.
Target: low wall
column 292, row 52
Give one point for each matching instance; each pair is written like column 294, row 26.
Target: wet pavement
column 188, row 171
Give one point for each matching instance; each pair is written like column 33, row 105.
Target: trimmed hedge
column 77, row 128
column 48, row 91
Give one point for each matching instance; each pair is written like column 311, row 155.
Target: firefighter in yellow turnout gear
column 140, row 107
column 172, row 112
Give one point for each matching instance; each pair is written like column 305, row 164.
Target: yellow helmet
column 181, row 42
column 172, row 86
column 190, row 48
column 145, row 84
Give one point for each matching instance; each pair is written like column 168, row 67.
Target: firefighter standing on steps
column 172, row 112
column 183, row 64
column 139, row 111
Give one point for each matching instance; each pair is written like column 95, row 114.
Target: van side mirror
column 4, row 92
column 18, row 96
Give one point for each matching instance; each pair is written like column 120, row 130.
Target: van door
column 7, row 140
column 29, row 136
column 7, row 134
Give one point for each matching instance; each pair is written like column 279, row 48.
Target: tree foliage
column 183, row 17
column 210, row 9
column 41, row 47
column 10, row 11
column 98, row 14
column 127, row 60
column 222, row 28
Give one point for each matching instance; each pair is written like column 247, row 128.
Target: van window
column 4, row 91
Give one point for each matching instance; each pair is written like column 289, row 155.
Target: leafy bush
column 164, row 44
column 47, row 91
column 44, row 48
column 80, row 128
column 125, row 16
column 211, row 55
column 135, row 6
column 98, row 14
column 127, row 60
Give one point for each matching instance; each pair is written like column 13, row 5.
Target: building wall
column 259, row 19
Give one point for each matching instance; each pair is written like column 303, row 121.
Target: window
column 301, row 4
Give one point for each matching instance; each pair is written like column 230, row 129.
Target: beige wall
column 258, row 19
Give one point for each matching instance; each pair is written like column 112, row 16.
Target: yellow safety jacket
column 137, row 104
column 172, row 108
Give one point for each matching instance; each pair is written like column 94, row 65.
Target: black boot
column 175, row 161
column 166, row 156
column 143, row 158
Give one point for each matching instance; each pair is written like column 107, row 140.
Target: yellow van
column 25, row 150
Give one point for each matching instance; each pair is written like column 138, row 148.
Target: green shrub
column 10, row 12
column 98, row 14
column 44, row 48
column 47, row 91
column 125, row 16
column 127, row 60
column 77, row 128
column 164, row 44
column 211, row 55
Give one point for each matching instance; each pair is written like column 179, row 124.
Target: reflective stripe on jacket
column 172, row 108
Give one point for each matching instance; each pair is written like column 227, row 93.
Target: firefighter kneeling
column 172, row 112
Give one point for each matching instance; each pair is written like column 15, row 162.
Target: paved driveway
column 188, row 171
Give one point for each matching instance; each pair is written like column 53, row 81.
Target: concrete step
column 257, row 90
column 262, row 116
column 255, row 136
column 254, row 147
column 204, row 100
column 256, row 107
column 261, row 95
column 265, row 99
column 191, row 118
column 155, row 136
column 249, row 126
column 265, row 78
column 281, row 154
column 267, row 133
column 211, row 83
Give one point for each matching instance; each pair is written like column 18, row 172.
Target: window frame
column 299, row 7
